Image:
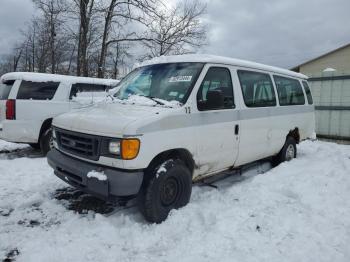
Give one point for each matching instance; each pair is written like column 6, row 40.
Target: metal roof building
column 330, row 85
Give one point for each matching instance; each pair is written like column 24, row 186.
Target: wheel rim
column 169, row 192
column 290, row 152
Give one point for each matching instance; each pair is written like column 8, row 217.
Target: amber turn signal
column 130, row 148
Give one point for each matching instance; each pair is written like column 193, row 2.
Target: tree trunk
column 116, row 61
column 52, row 45
column 104, row 46
column 85, row 14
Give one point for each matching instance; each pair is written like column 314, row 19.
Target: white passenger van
column 179, row 119
column 29, row 101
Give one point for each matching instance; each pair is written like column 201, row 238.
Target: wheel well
column 295, row 134
column 46, row 124
column 179, row 153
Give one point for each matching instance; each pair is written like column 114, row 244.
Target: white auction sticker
column 180, row 79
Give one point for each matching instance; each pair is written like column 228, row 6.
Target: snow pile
column 329, row 69
column 8, row 146
column 298, row 211
column 43, row 77
column 99, row 175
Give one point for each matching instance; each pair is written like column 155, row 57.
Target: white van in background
column 179, row 119
column 29, row 101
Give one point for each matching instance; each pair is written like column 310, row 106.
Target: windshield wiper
column 112, row 97
column 153, row 99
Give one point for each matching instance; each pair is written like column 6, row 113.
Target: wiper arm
column 112, row 97
column 154, row 99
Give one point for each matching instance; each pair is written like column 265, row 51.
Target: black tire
column 288, row 151
column 46, row 141
column 35, row 145
column 167, row 187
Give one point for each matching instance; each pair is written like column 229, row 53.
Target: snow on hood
column 107, row 118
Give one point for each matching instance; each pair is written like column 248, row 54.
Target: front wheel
column 167, row 187
column 288, row 152
column 46, row 141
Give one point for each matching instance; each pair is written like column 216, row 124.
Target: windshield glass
column 5, row 89
column 170, row 82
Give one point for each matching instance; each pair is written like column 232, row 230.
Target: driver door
column 217, row 127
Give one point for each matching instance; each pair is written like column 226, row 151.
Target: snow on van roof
column 41, row 77
column 203, row 58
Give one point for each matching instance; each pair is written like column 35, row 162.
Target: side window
column 216, row 90
column 37, row 90
column 289, row 91
column 257, row 89
column 87, row 90
column 308, row 93
column 5, row 89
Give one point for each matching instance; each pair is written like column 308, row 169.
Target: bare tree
column 86, row 11
column 118, row 15
column 177, row 31
column 94, row 37
column 52, row 11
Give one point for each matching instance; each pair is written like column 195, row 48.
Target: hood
column 107, row 119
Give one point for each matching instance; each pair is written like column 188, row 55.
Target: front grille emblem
column 72, row 143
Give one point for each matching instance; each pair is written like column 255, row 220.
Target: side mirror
column 215, row 99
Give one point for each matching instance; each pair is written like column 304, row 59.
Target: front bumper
column 74, row 172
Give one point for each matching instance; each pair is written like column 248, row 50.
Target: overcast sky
column 277, row 32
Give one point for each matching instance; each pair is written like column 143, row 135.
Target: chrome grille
column 82, row 145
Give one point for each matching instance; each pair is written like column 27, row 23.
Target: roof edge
column 321, row 56
column 204, row 58
column 43, row 77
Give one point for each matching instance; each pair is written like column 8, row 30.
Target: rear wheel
column 288, row 152
column 46, row 141
column 167, row 187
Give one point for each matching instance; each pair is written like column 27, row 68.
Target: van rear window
column 37, row 90
column 289, row 91
column 5, row 89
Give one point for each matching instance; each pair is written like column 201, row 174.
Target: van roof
column 41, row 77
column 203, row 58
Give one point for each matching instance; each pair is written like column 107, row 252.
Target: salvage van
column 177, row 120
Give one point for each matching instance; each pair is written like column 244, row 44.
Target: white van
column 29, row 101
column 179, row 119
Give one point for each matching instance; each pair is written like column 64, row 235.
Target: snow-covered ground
column 298, row 211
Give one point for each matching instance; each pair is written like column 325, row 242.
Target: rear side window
column 308, row 93
column 80, row 89
column 216, row 90
column 257, row 89
column 5, row 89
column 37, row 90
column 289, row 91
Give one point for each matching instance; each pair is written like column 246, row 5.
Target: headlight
column 114, row 147
column 126, row 149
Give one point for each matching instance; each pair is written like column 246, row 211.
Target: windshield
column 5, row 89
column 169, row 82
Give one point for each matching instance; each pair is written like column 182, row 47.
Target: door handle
column 236, row 129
